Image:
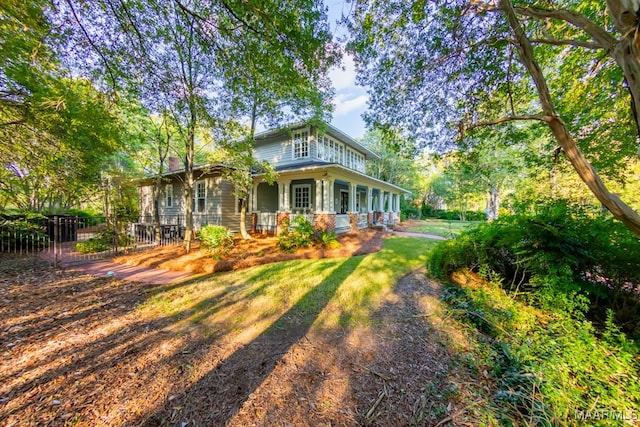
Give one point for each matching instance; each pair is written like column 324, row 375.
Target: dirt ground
column 78, row 350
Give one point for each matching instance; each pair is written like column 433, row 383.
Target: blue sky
column 350, row 100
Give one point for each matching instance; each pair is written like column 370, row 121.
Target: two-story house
column 321, row 175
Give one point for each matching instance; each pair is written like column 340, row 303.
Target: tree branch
column 603, row 39
column 463, row 128
column 576, row 43
column 93, row 45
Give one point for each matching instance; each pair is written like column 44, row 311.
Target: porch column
column 369, row 199
column 254, row 198
column 327, row 205
column 332, row 197
column 285, row 200
column 352, row 197
column 380, row 201
column 319, row 202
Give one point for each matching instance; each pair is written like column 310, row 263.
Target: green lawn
column 442, row 228
column 327, row 292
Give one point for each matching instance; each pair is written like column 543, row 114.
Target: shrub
column 92, row 245
column 545, row 369
column 561, row 258
column 408, row 210
column 88, row 218
column 295, row 234
column 103, row 240
column 218, row 240
column 329, row 240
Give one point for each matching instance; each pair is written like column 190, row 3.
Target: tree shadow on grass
column 225, row 388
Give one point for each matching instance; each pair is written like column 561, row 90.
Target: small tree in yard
column 238, row 156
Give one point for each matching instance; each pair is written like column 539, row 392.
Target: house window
column 301, row 144
column 199, row 197
column 169, row 196
column 302, row 196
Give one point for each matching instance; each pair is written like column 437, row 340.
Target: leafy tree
column 181, row 55
column 445, row 68
column 397, row 159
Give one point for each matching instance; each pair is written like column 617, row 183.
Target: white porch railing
column 267, row 221
column 343, row 223
column 385, row 218
column 308, row 217
column 363, row 220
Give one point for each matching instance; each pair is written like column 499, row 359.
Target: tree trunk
column 243, row 219
column 493, row 203
column 626, row 51
column 156, row 209
column 188, row 189
column 587, row 173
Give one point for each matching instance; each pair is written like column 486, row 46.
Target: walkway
column 155, row 276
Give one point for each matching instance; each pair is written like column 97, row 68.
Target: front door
column 344, row 202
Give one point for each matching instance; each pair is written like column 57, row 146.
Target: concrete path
column 150, row 275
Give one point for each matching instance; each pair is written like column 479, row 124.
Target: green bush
column 545, row 369
column 103, row 240
column 560, row 258
column 92, row 245
column 216, row 239
column 295, row 234
column 408, row 211
column 87, row 217
column 329, row 240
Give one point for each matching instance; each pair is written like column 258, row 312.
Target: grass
column 442, row 228
column 328, row 292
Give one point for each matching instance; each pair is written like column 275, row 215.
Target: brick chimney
column 174, row 163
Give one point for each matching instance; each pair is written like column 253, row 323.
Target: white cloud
column 345, row 104
column 344, row 78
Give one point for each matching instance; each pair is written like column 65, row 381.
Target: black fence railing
column 65, row 238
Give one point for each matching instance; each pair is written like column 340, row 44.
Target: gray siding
column 276, row 151
column 267, row 197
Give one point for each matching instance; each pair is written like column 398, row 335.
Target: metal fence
column 70, row 239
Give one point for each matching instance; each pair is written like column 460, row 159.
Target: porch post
column 319, row 202
column 369, row 198
column 254, row 198
column 287, row 191
column 380, row 201
column 328, row 195
column 352, row 197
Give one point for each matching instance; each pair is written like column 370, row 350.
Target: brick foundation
column 353, row 221
column 324, row 222
column 254, row 222
column 370, row 219
column 282, row 216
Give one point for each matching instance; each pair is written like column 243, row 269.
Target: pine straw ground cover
column 321, row 342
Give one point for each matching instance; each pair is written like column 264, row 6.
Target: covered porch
column 332, row 198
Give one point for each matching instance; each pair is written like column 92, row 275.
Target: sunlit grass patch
column 443, row 228
column 331, row 291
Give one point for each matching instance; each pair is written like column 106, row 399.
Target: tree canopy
column 439, row 70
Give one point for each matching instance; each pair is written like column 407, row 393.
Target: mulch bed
column 259, row 250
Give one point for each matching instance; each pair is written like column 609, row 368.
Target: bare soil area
column 82, row 350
